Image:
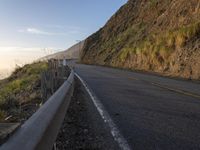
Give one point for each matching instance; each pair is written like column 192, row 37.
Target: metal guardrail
column 39, row 132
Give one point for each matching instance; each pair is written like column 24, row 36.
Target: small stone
column 85, row 131
column 117, row 114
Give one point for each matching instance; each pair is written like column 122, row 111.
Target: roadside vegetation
column 20, row 91
column 162, row 44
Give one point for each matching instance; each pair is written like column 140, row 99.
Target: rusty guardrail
column 39, row 132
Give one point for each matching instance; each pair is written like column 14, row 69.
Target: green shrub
column 153, row 3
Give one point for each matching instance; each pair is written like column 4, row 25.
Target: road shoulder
column 83, row 127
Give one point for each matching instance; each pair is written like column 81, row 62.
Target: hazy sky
column 33, row 28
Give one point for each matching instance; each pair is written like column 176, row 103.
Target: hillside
column 160, row 36
column 71, row 53
column 20, row 94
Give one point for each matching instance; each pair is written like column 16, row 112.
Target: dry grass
column 20, row 82
column 163, row 44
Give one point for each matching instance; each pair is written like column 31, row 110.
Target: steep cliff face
column 153, row 35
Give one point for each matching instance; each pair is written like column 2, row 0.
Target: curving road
column 151, row 112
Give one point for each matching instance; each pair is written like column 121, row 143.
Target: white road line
column 123, row 144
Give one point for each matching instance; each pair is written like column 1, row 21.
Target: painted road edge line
column 123, row 144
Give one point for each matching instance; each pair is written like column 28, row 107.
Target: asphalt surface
column 151, row 112
column 83, row 128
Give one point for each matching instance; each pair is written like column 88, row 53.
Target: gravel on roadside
column 83, row 128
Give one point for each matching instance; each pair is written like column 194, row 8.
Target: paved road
column 151, row 112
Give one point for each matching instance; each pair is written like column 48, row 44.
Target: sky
column 30, row 29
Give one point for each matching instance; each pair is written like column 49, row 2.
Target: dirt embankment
column 160, row 36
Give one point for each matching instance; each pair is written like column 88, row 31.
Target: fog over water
column 10, row 57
